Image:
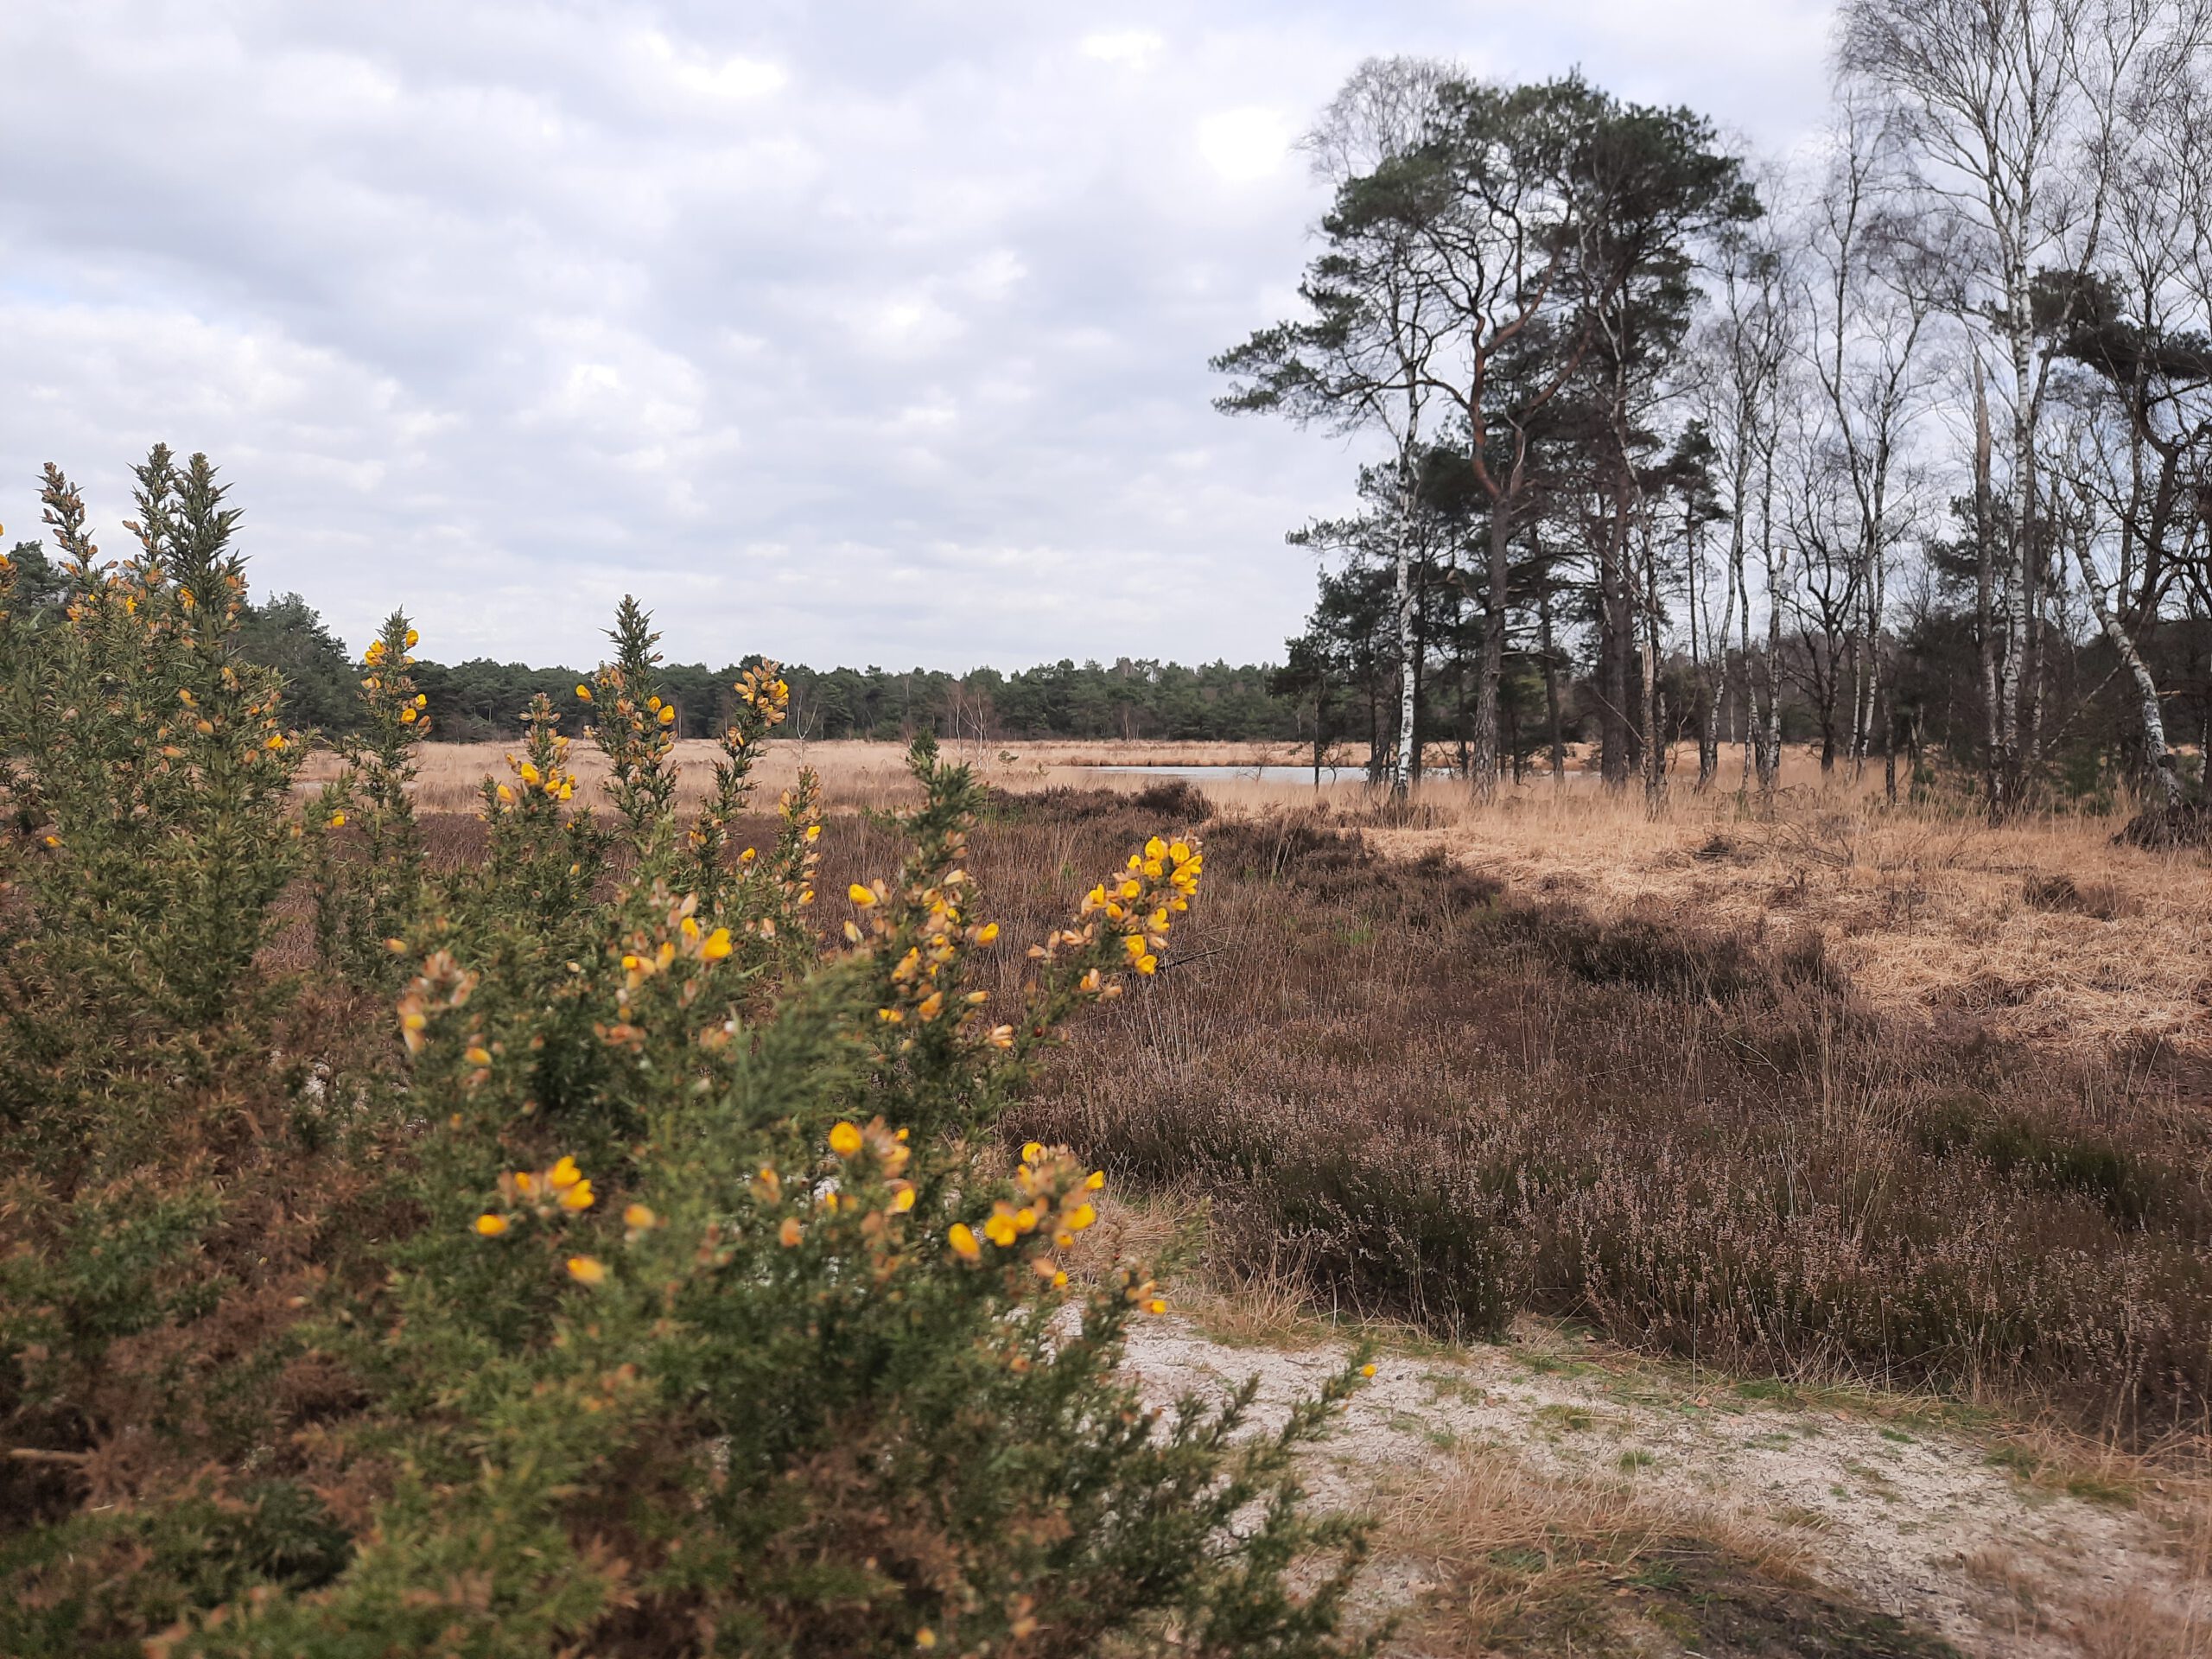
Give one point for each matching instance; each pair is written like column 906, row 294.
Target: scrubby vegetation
column 1420, row 1097
column 578, row 1257
column 558, row 1228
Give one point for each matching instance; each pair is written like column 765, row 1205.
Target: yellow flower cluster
column 390, row 691
column 687, row 940
column 876, row 1154
column 682, row 938
column 1052, row 1202
column 761, row 691
column 919, row 977
column 1160, row 883
column 553, row 780
column 801, row 810
column 544, row 1193
column 635, row 736
column 442, row 984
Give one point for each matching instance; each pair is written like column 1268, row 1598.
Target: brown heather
column 1406, row 1090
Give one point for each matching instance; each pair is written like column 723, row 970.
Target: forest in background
column 1904, row 440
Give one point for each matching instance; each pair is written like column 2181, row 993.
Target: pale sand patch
column 1885, row 1509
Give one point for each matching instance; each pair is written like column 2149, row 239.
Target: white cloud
column 735, row 76
column 1130, row 49
column 1247, row 144
column 496, row 310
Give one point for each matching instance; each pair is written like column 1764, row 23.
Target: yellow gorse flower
column 586, row 1269
column 962, row 1237
column 491, row 1225
column 845, row 1141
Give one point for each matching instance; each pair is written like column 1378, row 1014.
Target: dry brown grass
column 857, row 772
column 2043, row 930
column 1537, row 1562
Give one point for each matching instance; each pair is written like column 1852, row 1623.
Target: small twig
column 33, row 1454
column 1184, row 962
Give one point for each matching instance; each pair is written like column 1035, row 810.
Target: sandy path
column 1891, row 1512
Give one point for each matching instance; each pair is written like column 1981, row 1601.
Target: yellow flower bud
column 491, row 1225
column 587, row 1270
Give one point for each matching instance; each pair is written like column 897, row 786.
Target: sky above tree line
column 844, row 333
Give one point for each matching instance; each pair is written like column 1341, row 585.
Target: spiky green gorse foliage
column 571, row 1262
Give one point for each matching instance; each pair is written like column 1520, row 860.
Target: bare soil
column 1698, row 1513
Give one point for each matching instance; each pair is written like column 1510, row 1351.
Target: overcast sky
column 845, row 333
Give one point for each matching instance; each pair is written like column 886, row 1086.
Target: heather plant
column 651, row 1281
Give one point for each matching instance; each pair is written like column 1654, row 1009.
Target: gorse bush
column 586, row 1258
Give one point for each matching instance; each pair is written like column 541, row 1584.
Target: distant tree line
column 481, row 700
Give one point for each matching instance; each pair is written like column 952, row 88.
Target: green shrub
column 586, row 1258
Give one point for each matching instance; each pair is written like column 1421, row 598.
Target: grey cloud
column 845, row 332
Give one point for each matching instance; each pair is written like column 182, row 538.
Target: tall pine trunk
column 1484, row 764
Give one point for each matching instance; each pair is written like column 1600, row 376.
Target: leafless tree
column 2010, row 113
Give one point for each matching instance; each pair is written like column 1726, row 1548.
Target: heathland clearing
column 1480, row 1071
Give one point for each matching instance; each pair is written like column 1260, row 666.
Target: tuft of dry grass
column 1524, row 1561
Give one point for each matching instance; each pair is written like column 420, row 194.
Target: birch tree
column 1361, row 358
column 2011, row 110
